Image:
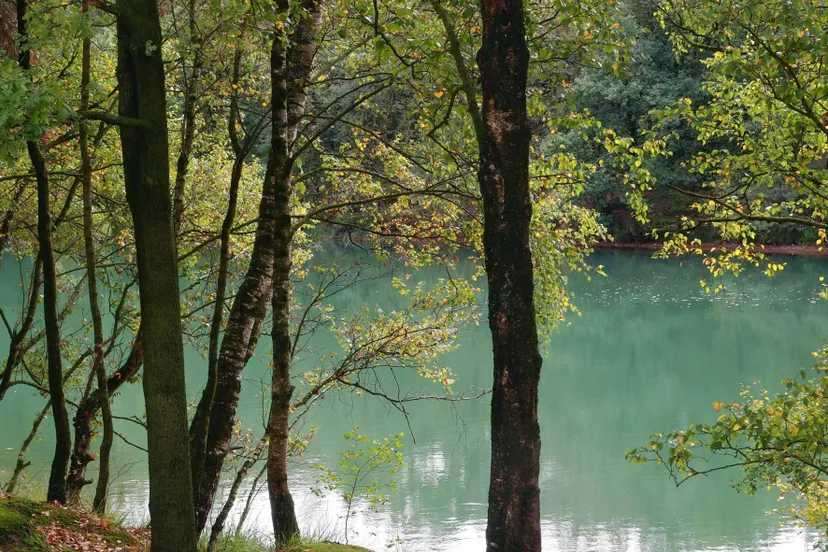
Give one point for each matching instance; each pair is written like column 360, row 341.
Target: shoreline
column 793, row 250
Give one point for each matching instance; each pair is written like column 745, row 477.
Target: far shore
column 806, row 250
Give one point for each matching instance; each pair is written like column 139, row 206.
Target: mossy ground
column 29, row 526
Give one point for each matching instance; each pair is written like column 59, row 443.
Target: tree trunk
column 147, row 178
column 201, row 418
column 240, row 338
column 5, row 225
column 21, row 456
column 99, row 501
column 63, row 435
column 514, row 496
column 289, row 72
column 188, row 124
column 224, row 513
column 86, row 412
column 282, row 511
column 17, row 345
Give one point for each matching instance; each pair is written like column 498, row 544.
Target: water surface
column 650, row 353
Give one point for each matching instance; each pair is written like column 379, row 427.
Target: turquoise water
column 649, row 353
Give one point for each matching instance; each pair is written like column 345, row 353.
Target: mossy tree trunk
column 145, row 149
column 514, row 496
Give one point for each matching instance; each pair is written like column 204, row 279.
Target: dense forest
column 189, row 190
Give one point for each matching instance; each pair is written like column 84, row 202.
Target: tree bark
column 188, row 124
column 201, row 418
column 240, row 338
column 224, row 513
column 86, row 413
column 147, row 178
column 285, row 526
column 99, row 501
column 5, row 225
column 289, row 71
column 63, row 435
column 514, row 495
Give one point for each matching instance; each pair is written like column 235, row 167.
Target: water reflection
column 649, row 353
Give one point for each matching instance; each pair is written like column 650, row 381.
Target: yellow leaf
column 439, row 94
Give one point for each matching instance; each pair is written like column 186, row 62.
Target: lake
column 650, row 352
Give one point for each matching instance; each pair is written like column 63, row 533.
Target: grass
column 30, row 526
column 252, row 543
column 324, row 547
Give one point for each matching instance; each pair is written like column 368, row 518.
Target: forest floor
column 30, row 526
column 806, row 250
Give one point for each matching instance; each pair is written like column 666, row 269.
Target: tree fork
column 87, row 411
column 289, row 72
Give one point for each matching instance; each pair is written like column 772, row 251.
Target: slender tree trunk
column 469, row 84
column 240, row 338
column 514, row 496
column 248, row 503
column 289, row 73
column 188, row 124
column 63, row 435
column 86, row 413
column 21, row 456
column 201, row 418
column 99, row 501
column 221, row 518
column 17, row 345
column 285, row 526
column 250, row 305
column 147, row 179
